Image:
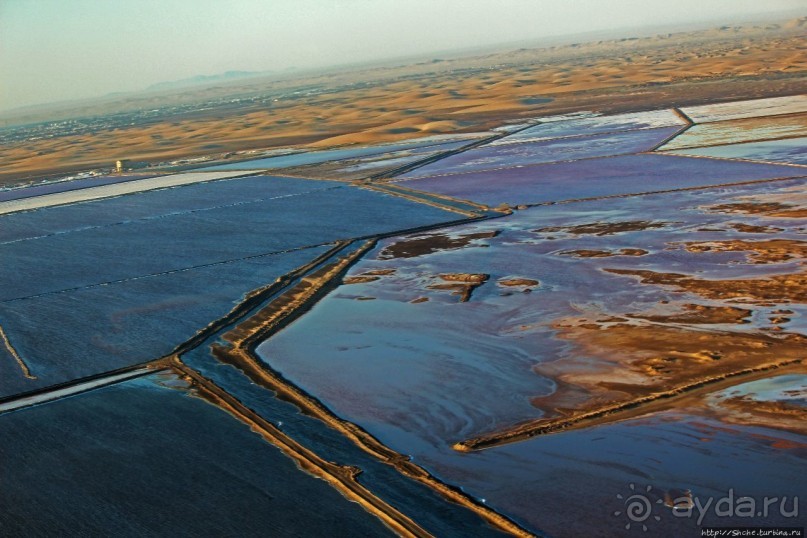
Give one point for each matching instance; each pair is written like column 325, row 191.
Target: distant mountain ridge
column 205, row 79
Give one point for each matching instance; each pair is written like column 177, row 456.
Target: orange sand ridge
column 444, row 96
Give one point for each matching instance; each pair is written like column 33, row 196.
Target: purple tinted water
column 513, row 155
column 595, row 124
column 629, row 174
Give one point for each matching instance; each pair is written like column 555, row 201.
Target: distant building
column 125, row 165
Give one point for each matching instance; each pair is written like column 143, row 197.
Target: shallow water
column 621, row 175
column 787, row 388
column 423, row 375
column 586, row 126
column 488, row 158
column 737, row 131
column 795, row 104
column 793, row 150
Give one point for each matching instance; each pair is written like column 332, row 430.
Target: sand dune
column 463, row 94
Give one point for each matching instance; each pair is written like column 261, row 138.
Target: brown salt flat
column 697, row 314
column 772, row 209
column 626, row 370
column 615, row 361
column 361, row 279
column 379, row 272
column 768, row 251
column 776, row 288
column 623, row 361
column 584, row 253
column 469, row 278
column 791, row 214
column 367, row 276
column 462, row 284
column 754, row 229
column 604, row 228
column 411, row 248
column 516, row 282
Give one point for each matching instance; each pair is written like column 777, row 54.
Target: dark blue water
column 122, row 281
column 429, row 509
column 106, row 248
column 68, row 335
column 154, row 204
column 138, row 459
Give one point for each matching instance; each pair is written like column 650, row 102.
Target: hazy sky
column 54, row 50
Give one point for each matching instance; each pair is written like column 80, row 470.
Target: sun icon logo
column 638, row 507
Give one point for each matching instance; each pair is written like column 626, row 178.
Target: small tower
column 120, row 165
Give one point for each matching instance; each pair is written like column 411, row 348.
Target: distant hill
column 205, row 79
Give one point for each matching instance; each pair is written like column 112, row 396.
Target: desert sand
column 381, row 104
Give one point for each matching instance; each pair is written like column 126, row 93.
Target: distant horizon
column 29, row 92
